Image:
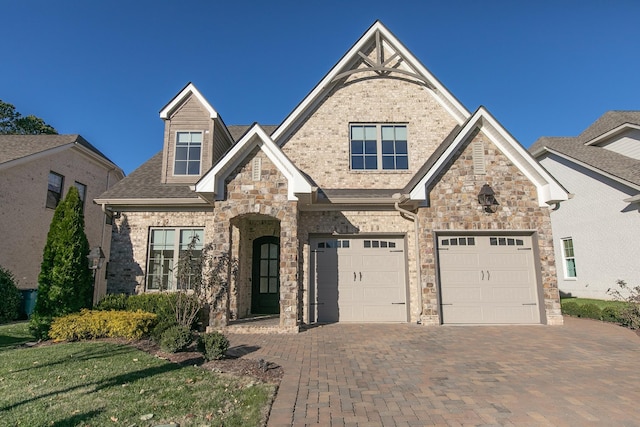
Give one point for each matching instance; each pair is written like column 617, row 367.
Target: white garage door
column 358, row 280
column 487, row 279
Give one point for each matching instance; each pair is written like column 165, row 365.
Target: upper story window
column 82, row 190
column 379, row 146
column 188, row 153
column 569, row 258
column 54, row 190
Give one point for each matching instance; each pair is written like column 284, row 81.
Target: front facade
column 361, row 206
column 596, row 232
column 36, row 172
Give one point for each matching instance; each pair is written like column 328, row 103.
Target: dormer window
column 188, row 153
column 379, row 146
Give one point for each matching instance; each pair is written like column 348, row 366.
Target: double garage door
column 358, row 280
column 487, row 279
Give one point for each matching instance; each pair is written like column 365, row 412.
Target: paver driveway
column 582, row 373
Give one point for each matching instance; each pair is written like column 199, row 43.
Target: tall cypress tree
column 65, row 283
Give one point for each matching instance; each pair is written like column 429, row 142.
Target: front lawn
column 598, row 302
column 14, row 334
column 105, row 384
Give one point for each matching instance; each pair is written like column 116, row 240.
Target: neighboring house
column 361, row 206
column 597, row 232
column 36, row 172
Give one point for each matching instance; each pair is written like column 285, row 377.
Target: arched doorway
column 265, row 295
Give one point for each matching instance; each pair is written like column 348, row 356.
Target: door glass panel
column 273, row 285
column 264, row 285
column 264, row 267
column 273, row 251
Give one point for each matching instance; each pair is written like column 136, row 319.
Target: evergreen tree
column 65, row 283
column 14, row 123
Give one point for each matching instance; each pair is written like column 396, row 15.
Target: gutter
column 399, row 198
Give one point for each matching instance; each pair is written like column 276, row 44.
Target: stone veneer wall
column 320, row 147
column 129, row 244
column 267, row 198
column 454, row 206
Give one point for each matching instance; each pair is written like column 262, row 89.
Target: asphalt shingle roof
column 618, row 165
column 13, row 147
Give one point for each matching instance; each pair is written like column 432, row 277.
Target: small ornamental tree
column 65, row 283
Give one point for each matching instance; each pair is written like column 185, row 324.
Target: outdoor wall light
column 487, row 199
column 96, row 259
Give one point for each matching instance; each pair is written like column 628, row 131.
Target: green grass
column 14, row 334
column 598, row 302
column 105, row 384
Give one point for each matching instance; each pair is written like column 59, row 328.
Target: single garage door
column 487, row 279
column 358, row 280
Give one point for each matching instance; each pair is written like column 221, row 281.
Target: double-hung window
column 166, row 245
column 569, row 258
column 54, row 190
column 82, row 191
column 188, row 153
column 379, row 147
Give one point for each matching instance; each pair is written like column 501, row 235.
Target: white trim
column 587, row 166
column 548, row 189
column 190, row 89
column 213, row 182
column 612, row 132
column 444, row 97
column 175, row 149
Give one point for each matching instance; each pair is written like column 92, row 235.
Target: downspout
column 414, row 218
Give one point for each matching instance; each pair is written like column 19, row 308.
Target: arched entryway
column 265, row 292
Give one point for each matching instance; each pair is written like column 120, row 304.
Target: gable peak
column 189, row 90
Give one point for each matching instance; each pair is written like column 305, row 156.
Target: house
column 36, row 172
column 597, row 232
column 361, row 206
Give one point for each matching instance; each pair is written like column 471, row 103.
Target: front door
column 265, row 297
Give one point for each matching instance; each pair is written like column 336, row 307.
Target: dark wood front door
column 265, row 298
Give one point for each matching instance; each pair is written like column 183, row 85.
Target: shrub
column 102, row 324
column 630, row 314
column 65, row 283
column 176, row 338
column 213, row 345
column 570, row 308
column 159, row 304
column 611, row 314
column 39, row 326
column 590, row 311
column 113, row 302
column 9, row 297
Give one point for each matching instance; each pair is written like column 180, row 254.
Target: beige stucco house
column 363, row 205
column 36, row 172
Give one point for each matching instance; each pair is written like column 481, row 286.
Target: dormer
column 195, row 137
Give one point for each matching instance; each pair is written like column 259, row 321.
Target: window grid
column 188, row 153
column 377, row 146
column 165, row 251
column 54, row 190
column 569, row 258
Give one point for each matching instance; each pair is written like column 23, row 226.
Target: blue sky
column 104, row 69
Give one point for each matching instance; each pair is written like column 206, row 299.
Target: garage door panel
column 492, row 281
column 369, row 276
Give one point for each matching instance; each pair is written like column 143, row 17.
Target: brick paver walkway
column 582, row 373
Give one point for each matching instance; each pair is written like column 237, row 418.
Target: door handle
column 361, row 276
column 354, row 276
column 482, row 271
column 488, row 275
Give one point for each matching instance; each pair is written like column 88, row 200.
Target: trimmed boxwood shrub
column 39, row 326
column 213, row 345
column 90, row 324
column 590, row 311
column 113, row 302
column 9, row 297
column 176, row 338
column 570, row 308
column 611, row 314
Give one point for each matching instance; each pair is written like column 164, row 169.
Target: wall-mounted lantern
column 487, row 199
column 96, row 259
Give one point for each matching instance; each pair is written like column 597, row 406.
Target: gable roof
column 177, row 100
column 211, row 185
column 399, row 60
column 549, row 190
column 16, row 149
column 583, row 151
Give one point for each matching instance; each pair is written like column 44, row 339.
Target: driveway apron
column 583, row 373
